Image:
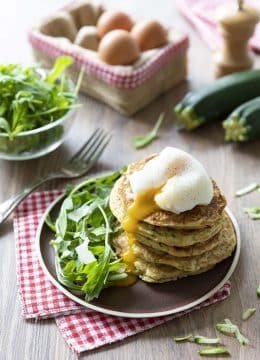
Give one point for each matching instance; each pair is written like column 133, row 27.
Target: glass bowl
column 38, row 142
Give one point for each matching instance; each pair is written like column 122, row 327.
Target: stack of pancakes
column 169, row 246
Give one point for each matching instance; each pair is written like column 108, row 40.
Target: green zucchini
column 217, row 100
column 244, row 122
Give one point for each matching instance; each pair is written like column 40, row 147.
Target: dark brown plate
column 142, row 299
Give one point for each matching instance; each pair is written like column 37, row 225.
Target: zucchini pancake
column 172, row 217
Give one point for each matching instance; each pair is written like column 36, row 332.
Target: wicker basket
column 125, row 88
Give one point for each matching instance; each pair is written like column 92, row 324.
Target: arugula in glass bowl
column 33, row 104
column 84, row 258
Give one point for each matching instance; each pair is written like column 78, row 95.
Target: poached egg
column 181, row 181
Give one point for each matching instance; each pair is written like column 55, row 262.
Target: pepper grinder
column 236, row 25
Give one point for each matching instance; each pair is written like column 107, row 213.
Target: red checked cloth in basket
column 81, row 328
column 202, row 15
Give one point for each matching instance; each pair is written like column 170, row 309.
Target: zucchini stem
column 235, row 129
column 187, row 118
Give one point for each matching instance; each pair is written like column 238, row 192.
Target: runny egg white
column 181, row 181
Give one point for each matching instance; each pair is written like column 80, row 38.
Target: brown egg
column 118, row 48
column 87, row 38
column 111, row 20
column 149, row 34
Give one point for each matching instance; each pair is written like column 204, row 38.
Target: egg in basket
column 127, row 63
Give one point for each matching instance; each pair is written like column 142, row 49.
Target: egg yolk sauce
column 143, row 206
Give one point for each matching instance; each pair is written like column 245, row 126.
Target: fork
column 78, row 165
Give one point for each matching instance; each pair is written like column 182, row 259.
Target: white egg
column 183, row 181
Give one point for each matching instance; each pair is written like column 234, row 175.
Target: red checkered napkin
column 202, row 15
column 39, row 297
column 82, row 329
column 90, row 330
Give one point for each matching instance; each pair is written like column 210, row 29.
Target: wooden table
column 231, row 166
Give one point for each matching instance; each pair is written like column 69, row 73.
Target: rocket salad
column 30, row 99
column 85, row 261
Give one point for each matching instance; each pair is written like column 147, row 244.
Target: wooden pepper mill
column 237, row 25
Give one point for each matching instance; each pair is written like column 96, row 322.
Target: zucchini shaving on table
column 228, row 328
column 197, row 339
column 180, row 339
column 85, row 261
column 248, row 313
column 246, row 190
column 202, row 340
column 253, row 212
column 211, row 351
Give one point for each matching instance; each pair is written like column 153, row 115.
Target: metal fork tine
column 95, row 150
column 99, row 152
column 87, row 153
column 92, row 145
column 88, row 144
column 89, row 141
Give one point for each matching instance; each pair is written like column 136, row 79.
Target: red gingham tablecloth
column 202, row 15
column 81, row 328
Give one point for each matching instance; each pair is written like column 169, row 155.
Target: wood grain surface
column 232, row 166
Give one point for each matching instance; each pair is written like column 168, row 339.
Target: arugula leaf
column 80, row 78
column 49, row 223
column 85, row 226
column 96, row 280
column 61, row 223
column 4, row 125
column 60, row 65
column 141, row 141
